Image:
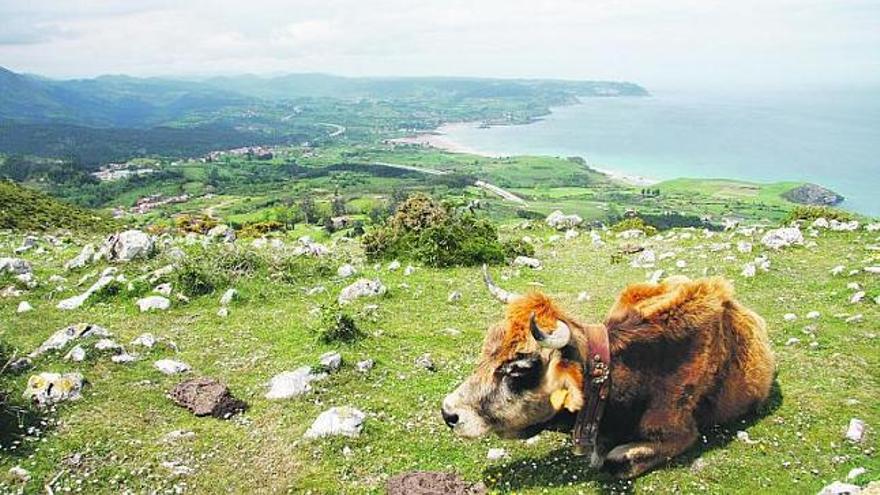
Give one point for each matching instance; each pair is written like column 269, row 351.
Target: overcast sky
column 658, row 43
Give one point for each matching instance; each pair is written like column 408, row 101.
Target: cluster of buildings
column 148, row 203
column 116, row 171
column 258, row 152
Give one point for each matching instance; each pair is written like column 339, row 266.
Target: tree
column 308, row 209
column 337, row 205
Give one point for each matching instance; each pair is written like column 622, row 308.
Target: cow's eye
column 522, row 372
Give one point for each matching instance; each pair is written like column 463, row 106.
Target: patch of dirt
column 206, row 397
column 431, row 483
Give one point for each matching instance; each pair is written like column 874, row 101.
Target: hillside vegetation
column 25, row 209
column 125, row 435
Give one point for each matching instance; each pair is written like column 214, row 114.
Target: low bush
column 633, row 223
column 259, row 229
column 810, row 213
column 421, row 229
column 204, row 270
column 337, row 326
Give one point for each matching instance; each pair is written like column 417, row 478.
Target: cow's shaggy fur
column 685, row 354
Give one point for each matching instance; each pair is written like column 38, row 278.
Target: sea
column 828, row 137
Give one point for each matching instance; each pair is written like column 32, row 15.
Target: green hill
column 25, row 209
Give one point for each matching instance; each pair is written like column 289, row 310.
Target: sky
column 657, row 43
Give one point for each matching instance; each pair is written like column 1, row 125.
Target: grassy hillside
column 117, row 432
column 25, row 209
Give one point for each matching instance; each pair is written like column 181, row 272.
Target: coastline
column 439, row 139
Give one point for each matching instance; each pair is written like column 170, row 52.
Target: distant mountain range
column 122, row 101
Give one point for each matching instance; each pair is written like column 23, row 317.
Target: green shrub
column 423, row 230
column 206, row 269
column 517, row 247
column 302, row 269
column 633, row 223
column 337, row 326
column 810, row 213
column 259, row 229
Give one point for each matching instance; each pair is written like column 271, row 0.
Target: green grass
column 119, row 424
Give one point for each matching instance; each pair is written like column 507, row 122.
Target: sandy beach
column 440, row 139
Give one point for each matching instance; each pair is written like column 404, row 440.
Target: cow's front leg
column 662, row 441
column 597, row 456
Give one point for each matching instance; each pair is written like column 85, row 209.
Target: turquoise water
column 831, row 138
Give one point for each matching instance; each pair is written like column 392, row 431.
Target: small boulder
column 228, row 297
column 346, row 421
column 838, row 488
column 425, row 361
column 365, row 366
column 77, row 354
column 453, row 296
column 362, row 288
column 24, row 307
column 150, row 303
column 330, row 361
column 292, row 383
column 19, row 474
column 561, row 221
column 496, row 454
column 171, row 367
column 855, row 431
column 533, row 263
column 85, row 256
column 345, row 271
column 206, row 397
column 145, row 340
column 782, row 237
column 50, row 388
column 127, row 246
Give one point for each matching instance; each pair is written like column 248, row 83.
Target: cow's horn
column 556, row 340
column 499, row 293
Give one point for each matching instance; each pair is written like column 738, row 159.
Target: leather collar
column 596, row 387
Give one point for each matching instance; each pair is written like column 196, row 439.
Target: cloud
column 650, row 41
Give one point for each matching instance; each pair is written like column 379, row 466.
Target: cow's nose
column 450, row 419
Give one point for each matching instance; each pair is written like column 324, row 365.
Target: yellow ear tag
column 557, row 398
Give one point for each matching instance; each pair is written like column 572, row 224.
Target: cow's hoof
column 629, row 460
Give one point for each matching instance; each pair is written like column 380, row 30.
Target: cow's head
column 529, row 370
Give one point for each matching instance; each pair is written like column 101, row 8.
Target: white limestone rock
column 343, row 421
column 171, row 367
column 362, row 288
column 50, row 388
column 150, row 303
column 783, row 237
column 292, row 383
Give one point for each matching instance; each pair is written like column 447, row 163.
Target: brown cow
column 684, row 354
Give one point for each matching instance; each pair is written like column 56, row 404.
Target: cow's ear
column 568, row 386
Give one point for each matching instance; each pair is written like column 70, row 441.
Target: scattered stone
column 571, row 234
column 749, row 270
column 838, row 226
column 792, row 341
column 127, row 246
column 873, row 269
column 316, row 290
column 744, row 247
column 19, row 474
column 24, row 307
column 85, row 256
column 206, row 397
column 223, row 312
column 292, row 383
column 145, row 340
column 454, row 296
column 561, row 221
column 76, row 301
column 346, row 271
column 681, row 264
column 365, row 366
column 425, row 361
column 177, row 468
column 123, row 357
column 77, row 354
column 330, row 361
column 496, row 454
column 61, row 338
column 107, row 345
column 150, row 303
column 837, row 270
column 655, row 276
column 528, row 262
column 224, row 231
column 14, row 266
column 782, row 237
column 50, row 388
column 789, row 317
column 346, row 421
column 362, row 288
column 644, row 259
column 743, row 436
column 583, row 296
column 432, row 483
column 812, row 315
column 409, row 270
column 853, row 286
column 855, row 473
column 631, row 234
column 838, row 488
column 228, row 297
column 177, row 435
column 854, row 318
column 855, row 432
column 171, row 367
column 394, row 265
column 857, row 297
column 164, row 289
